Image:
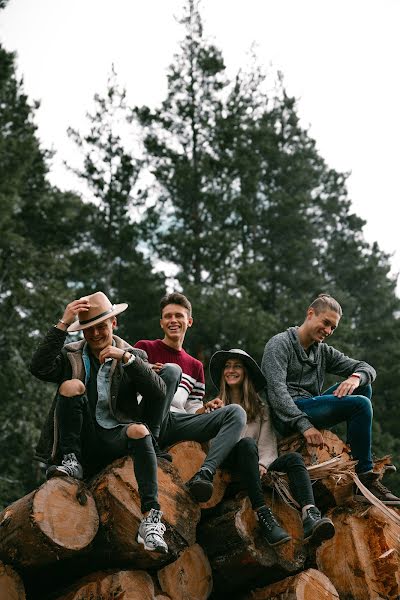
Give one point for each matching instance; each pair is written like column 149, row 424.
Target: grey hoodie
column 292, row 373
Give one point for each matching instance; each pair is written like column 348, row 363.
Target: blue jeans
column 328, row 410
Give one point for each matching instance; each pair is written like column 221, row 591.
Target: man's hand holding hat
column 70, row 313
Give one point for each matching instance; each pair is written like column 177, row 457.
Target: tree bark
column 239, row 556
column 362, row 559
column 118, row 503
column 135, row 585
column 308, row 585
column 188, row 457
column 189, row 577
column 56, row 521
column 11, row 586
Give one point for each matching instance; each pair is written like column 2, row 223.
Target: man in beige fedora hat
column 109, row 403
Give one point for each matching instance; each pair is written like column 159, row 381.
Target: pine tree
column 111, row 258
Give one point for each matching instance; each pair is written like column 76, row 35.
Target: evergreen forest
column 224, row 197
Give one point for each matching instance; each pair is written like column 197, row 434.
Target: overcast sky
column 339, row 59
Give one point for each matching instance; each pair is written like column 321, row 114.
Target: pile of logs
column 73, row 541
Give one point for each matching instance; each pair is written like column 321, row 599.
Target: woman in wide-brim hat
column 240, row 381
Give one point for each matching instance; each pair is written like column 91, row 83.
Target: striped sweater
column 189, row 396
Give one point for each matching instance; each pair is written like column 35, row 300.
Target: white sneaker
column 151, row 532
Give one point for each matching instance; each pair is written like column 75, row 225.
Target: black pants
column 95, row 446
column 244, row 460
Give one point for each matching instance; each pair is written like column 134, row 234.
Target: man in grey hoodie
column 295, row 363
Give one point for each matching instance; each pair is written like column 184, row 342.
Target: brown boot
column 372, row 483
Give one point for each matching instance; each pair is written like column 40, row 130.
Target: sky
column 339, row 59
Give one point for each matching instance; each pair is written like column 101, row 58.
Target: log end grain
column 62, row 517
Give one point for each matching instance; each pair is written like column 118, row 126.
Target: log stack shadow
column 77, row 541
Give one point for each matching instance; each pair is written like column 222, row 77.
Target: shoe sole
column 159, row 549
column 57, row 473
column 201, row 491
column 279, row 542
column 325, row 530
column 364, row 500
column 167, row 457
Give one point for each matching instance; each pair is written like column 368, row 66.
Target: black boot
column 200, row 485
column 317, row 528
column 273, row 533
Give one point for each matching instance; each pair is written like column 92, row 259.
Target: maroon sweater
column 190, row 394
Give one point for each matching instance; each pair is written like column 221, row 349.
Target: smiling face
column 100, row 336
column 174, row 322
column 319, row 326
column 234, row 372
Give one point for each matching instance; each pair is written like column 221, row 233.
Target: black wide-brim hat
column 218, row 361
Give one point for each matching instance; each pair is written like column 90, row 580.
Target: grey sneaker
column 151, row 532
column 372, row 483
column 70, row 467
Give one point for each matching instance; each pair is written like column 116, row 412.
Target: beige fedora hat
column 100, row 309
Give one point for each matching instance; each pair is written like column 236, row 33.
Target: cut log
column 333, row 446
column 57, row 520
column 362, row 559
column 132, row 585
column 308, row 585
column 189, row 577
column 118, row 503
column 11, row 586
column 238, row 555
column 188, row 457
column 336, row 487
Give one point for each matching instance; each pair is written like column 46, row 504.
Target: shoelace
column 70, row 464
column 154, row 529
column 380, row 487
column 267, row 519
column 313, row 513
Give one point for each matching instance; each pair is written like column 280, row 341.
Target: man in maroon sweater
column 189, row 418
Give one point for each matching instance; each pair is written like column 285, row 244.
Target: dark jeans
column 244, row 460
column 328, row 410
column 223, row 426
column 117, row 444
column 95, row 447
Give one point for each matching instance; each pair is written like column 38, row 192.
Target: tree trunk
column 132, row 585
column 188, row 457
column 118, row 503
column 189, row 577
column 11, row 586
column 362, row 559
column 58, row 520
column 308, row 585
column 239, row 556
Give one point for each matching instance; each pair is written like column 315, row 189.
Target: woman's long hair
column 250, row 400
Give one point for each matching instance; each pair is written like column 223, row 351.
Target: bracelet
column 64, row 322
column 131, row 360
column 355, row 375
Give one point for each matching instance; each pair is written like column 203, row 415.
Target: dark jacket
column 54, row 362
